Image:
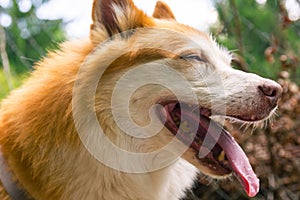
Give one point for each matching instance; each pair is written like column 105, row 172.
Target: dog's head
column 170, row 80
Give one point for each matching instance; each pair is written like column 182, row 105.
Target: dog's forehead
column 172, row 33
column 182, row 37
column 178, row 27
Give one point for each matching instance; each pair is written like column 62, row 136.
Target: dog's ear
column 117, row 16
column 163, row 11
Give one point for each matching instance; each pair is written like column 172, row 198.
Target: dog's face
column 171, row 80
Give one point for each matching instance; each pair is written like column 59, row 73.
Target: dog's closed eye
column 193, row 57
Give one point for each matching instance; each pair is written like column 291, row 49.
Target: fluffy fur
column 38, row 136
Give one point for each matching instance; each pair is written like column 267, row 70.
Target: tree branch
column 4, row 57
column 238, row 32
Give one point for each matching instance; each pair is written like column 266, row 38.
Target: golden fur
column 38, row 136
column 46, row 155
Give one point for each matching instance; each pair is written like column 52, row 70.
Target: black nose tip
column 272, row 91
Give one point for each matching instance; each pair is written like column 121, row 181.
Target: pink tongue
column 235, row 155
column 239, row 163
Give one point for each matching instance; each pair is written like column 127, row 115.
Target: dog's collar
column 11, row 186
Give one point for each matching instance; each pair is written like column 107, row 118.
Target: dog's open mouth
column 222, row 156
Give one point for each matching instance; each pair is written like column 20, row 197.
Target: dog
column 129, row 113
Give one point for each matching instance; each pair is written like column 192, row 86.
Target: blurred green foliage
column 28, row 37
column 261, row 35
column 16, row 79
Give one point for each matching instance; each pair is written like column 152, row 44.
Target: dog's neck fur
column 45, row 153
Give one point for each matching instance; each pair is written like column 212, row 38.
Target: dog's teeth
column 184, row 127
column 176, row 120
column 221, row 156
column 212, row 166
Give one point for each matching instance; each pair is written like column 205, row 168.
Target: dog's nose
column 272, row 91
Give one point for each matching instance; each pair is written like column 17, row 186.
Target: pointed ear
column 117, row 16
column 163, row 11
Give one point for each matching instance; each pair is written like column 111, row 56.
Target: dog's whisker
column 252, row 130
column 244, row 126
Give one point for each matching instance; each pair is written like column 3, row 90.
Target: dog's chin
column 211, row 148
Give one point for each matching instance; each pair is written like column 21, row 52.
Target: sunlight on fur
column 130, row 113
